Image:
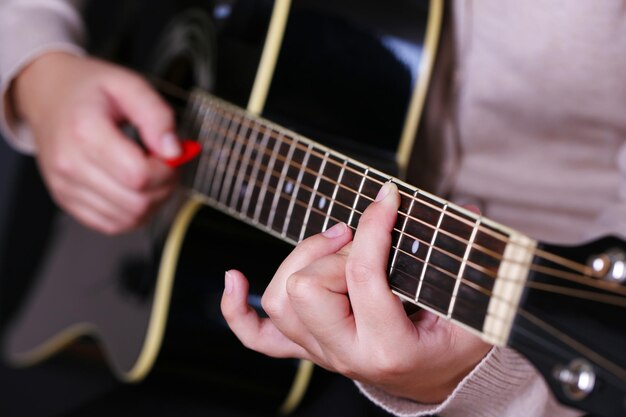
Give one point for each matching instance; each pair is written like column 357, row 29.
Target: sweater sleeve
column 28, row 29
column 502, row 384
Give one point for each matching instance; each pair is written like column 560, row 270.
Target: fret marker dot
column 415, row 246
column 321, row 203
column 289, row 187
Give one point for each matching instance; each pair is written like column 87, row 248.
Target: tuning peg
column 578, row 379
column 609, row 266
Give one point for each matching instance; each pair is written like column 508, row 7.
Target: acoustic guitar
column 561, row 307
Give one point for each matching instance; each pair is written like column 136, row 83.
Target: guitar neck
column 443, row 258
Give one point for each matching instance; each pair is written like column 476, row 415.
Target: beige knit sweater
column 536, row 138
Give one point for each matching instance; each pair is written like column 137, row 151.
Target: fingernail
column 335, row 231
column 169, row 145
column 383, row 192
column 228, row 283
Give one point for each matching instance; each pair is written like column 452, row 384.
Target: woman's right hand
column 75, row 107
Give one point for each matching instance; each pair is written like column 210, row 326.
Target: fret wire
column 398, row 249
column 444, row 271
column 358, row 194
column 402, row 232
column 422, row 202
column 192, row 129
column 234, row 158
column 462, row 267
column 216, row 141
column 245, row 163
column 255, row 171
column 502, row 236
column 204, row 134
column 223, row 155
column 488, row 231
column 312, row 199
column 440, row 269
column 477, row 287
column 266, row 178
column 334, row 196
column 189, row 128
column 333, row 200
column 430, row 249
column 296, row 189
column 281, row 181
column 211, row 138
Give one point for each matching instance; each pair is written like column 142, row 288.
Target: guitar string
column 306, row 206
column 571, row 342
column 577, row 346
column 434, row 287
column 592, row 355
column 330, row 180
column 588, row 295
column 561, row 274
column 577, row 293
column 583, row 269
column 556, row 273
column 273, row 190
column 319, row 193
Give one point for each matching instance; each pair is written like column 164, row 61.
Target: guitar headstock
column 570, row 323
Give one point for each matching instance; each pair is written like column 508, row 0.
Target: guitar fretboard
column 443, row 258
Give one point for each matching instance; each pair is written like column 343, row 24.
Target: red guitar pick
column 190, row 149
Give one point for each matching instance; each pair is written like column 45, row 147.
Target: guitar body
column 352, row 75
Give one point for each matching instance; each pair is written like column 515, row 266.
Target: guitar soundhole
column 185, row 52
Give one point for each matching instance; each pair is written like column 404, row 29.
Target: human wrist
column 31, row 85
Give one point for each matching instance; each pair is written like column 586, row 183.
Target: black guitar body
column 337, row 79
column 345, row 75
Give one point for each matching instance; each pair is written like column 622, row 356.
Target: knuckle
column 299, row 286
column 272, row 306
column 63, row 165
column 80, row 127
column 131, row 223
column 358, row 270
column 305, row 245
column 141, row 207
column 137, row 179
column 126, row 223
column 368, row 219
column 110, row 229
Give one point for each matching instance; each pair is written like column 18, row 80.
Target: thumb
column 141, row 105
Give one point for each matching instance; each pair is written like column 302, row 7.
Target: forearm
column 29, row 29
